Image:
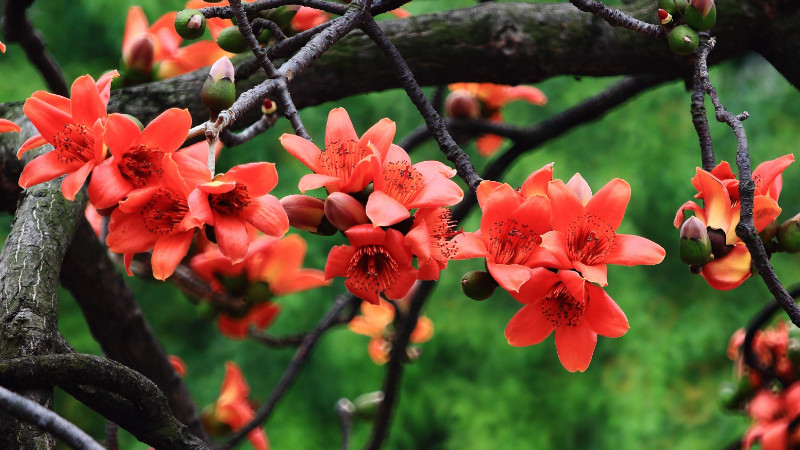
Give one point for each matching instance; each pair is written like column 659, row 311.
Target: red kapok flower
column 375, row 321
column 585, row 228
column 510, row 236
column 2, row 48
column 577, row 310
column 239, row 197
column 307, row 18
column 233, row 407
column 430, row 241
column 375, row 262
column 137, row 156
column 773, row 411
column 7, row 125
column 720, row 213
column 347, row 163
column 74, row 126
column 400, row 187
column 156, row 218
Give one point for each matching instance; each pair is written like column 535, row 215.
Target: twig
column 111, row 435
column 345, row 409
column 292, row 369
column 617, row 18
column 32, row 412
column 434, row 121
column 700, row 121
column 745, row 228
column 231, row 139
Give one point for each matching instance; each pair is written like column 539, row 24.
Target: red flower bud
column 664, row 17
column 139, row 55
column 343, row 211
column 462, row 105
column 307, row 213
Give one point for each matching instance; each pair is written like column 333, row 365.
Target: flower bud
column 478, row 285
column 674, row 7
column 664, row 17
column 769, row 232
column 695, row 246
column 231, row 40
column 138, row 56
column 308, row 214
column 789, row 235
column 462, row 104
column 190, row 24
column 703, row 6
column 683, row 40
column 697, row 20
column 343, row 211
column 218, row 91
column 268, row 107
column 366, row 405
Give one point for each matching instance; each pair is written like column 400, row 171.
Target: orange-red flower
column 585, row 228
column 2, row 48
column 233, row 407
column 773, row 411
column 510, row 235
column 347, row 162
column 7, row 125
column 771, row 347
column 137, row 156
column 720, row 213
column 375, row 262
column 375, row 321
column 178, row 364
column 239, row 197
column 306, row 18
column 157, row 218
column 492, row 98
column 74, row 126
column 169, row 57
column 259, row 317
column 430, row 241
column 565, row 302
column 400, row 187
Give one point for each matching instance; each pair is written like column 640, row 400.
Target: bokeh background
column 656, row 387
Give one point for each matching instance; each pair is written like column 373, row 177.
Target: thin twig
column 345, row 410
column 231, row 139
column 700, row 120
column 617, row 18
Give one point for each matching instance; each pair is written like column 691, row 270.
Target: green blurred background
column 656, row 387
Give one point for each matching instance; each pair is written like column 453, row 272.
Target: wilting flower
column 137, row 156
column 400, row 187
column 7, row 125
column 346, row 163
column 510, row 236
column 233, row 406
column 375, row 321
column 171, row 59
column 585, row 228
column 74, row 126
column 565, row 302
column 236, row 198
column 157, row 218
column 375, row 262
column 493, row 97
column 719, row 190
column 773, row 411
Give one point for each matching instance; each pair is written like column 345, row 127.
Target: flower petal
column 267, row 215
column 380, row 135
column 603, row 315
column 302, row 149
column 73, row 182
column 529, row 326
column 232, row 236
column 168, row 131
column 729, row 271
column 575, row 346
column 168, row 253
column 43, row 168
column 48, row 119
column 86, row 104
column 509, row 276
column 339, row 128
column 632, row 250
column 563, row 200
column 259, row 177
column 610, row 201
column 716, row 202
column 121, row 134
column 383, row 210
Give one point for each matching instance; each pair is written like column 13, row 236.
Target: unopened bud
column 683, row 40
column 367, row 405
column 696, row 19
column 704, row 6
column 231, row 40
column 769, row 232
column 139, row 55
column 219, row 92
column 343, row 211
column 268, row 107
column 789, row 235
column 308, row 214
column 190, row 24
column 674, row 7
column 478, row 285
column 695, row 246
column 664, row 17
column 462, row 104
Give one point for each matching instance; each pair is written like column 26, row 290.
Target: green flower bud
column 683, row 40
column 789, row 235
column 366, row 405
column 190, row 24
column 478, row 285
column 695, row 18
column 218, row 91
column 695, row 246
column 674, row 7
column 231, row 40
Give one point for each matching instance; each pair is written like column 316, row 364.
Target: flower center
column 74, row 144
column 590, row 239
column 441, row 228
column 164, row 212
column 141, row 164
column 510, row 242
column 401, row 181
column 231, row 202
column 373, row 267
column 561, row 308
column 340, row 158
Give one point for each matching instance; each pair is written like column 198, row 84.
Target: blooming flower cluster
column 728, row 262
column 548, row 244
column 157, row 196
column 384, row 235
column 486, row 101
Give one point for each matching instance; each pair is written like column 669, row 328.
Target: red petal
column 402, row 284
column 168, row 253
column 488, row 144
column 563, row 200
column 339, row 128
column 680, row 216
column 717, row 204
column 469, row 245
column 135, row 25
column 267, row 215
column 232, row 236
column 528, row 326
column 383, row 210
column 127, row 234
column 314, row 181
column 259, row 177
column 47, row 119
column 73, row 182
column 30, row 144
column 609, row 203
column 729, row 271
column 86, row 104
column 121, row 134
column 768, row 172
column 304, row 150
column 765, row 210
column 380, row 135
column 484, row 190
column 43, row 168
column 501, row 203
column 339, row 259
column 199, row 207
column 603, row 315
column 536, row 183
column 575, row 346
column 537, row 287
column 7, row 126
column 509, row 276
column 168, row 131
column 632, row 250
column 595, row 274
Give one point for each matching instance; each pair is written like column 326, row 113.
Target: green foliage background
column 655, row 387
